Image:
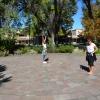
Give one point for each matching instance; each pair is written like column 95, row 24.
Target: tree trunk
column 53, row 41
column 54, row 27
column 29, row 36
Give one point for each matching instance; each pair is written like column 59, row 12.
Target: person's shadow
column 85, row 68
column 47, row 59
column 4, row 76
column 3, row 68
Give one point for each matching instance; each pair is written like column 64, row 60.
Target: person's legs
column 91, row 68
column 91, row 64
column 43, row 56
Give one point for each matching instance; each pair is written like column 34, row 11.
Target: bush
column 24, row 50
column 7, row 45
column 29, row 50
column 38, row 49
column 61, row 49
column 98, row 52
column 65, row 49
column 33, row 49
column 2, row 53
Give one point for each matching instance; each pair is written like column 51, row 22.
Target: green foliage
column 24, row 50
column 98, row 52
column 42, row 15
column 7, row 45
column 4, row 51
column 38, row 49
column 29, row 50
column 92, row 27
column 2, row 10
column 65, row 49
column 50, row 14
column 7, row 42
column 62, row 49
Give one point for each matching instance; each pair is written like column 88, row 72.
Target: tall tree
column 89, row 8
column 8, row 14
column 48, row 15
column 91, row 29
column 51, row 14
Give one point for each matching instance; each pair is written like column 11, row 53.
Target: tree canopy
column 92, row 28
column 43, row 16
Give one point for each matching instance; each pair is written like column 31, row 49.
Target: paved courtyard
column 60, row 79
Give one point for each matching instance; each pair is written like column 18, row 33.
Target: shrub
column 98, row 52
column 24, row 50
column 29, row 50
column 61, row 49
column 8, row 45
column 65, row 49
column 38, row 49
column 33, row 49
column 2, row 53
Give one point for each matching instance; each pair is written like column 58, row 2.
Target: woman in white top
column 91, row 48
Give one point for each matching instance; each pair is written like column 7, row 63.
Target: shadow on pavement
column 4, row 75
column 85, row 68
column 47, row 59
column 3, row 68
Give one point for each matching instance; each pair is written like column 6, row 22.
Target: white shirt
column 91, row 47
column 44, row 46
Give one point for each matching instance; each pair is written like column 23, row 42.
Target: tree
column 98, row 2
column 63, row 12
column 8, row 14
column 50, row 15
column 92, row 29
column 2, row 13
column 89, row 8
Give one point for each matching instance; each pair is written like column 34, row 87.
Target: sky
column 78, row 16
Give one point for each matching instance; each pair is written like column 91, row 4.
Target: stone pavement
column 60, row 79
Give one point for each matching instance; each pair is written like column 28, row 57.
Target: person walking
column 44, row 50
column 91, row 48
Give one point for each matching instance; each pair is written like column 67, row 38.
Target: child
column 44, row 51
column 91, row 48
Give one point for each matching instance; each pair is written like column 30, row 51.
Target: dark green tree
column 50, row 15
